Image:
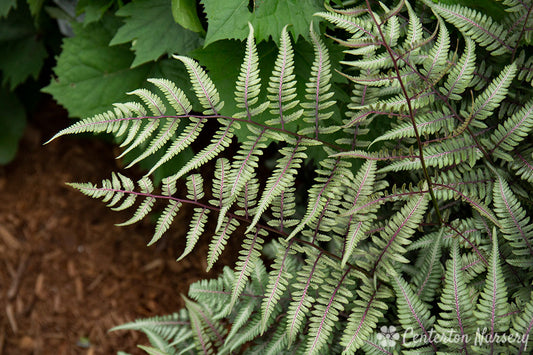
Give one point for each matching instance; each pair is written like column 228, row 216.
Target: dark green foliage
column 12, row 123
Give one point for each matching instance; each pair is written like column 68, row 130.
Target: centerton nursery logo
column 388, row 337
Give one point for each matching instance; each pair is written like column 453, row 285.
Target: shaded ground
column 67, row 274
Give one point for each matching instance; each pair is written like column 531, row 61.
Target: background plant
column 417, row 215
column 27, row 39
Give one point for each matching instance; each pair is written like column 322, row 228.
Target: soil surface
column 67, row 273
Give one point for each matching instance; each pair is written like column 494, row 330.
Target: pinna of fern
column 415, row 216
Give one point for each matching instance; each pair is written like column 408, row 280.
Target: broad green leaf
column 6, row 6
column 184, row 13
column 93, row 10
column 229, row 19
column 150, row 27
column 12, row 123
column 91, row 76
column 35, row 7
column 22, row 50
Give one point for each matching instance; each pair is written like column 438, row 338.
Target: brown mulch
column 67, row 274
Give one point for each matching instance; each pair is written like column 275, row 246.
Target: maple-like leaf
column 229, row 19
column 91, row 76
column 150, row 41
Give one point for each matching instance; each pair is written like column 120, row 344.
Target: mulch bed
column 67, row 274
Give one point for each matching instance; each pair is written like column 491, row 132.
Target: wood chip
column 79, row 288
column 8, row 238
column 95, row 282
column 11, row 318
column 27, row 343
column 154, row 264
column 39, row 286
column 2, row 337
column 48, row 257
column 13, row 289
column 71, row 268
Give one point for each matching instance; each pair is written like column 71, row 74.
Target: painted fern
column 415, row 218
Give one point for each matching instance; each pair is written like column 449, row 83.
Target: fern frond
column 283, row 208
column 150, row 350
column 178, row 101
column 392, row 23
column 312, row 273
column 450, row 152
column 525, row 69
column 242, row 170
column 203, row 290
column 220, row 240
column 359, row 223
column 195, row 188
column 164, row 134
column 368, row 309
column 154, row 102
column 325, row 188
column 282, row 85
column 281, row 178
column 282, row 271
column 146, row 186
column 208, row 332
column 478, row 26
column 413, row 314
column 430, row 123
column 184, row 140
column 174, row 95
column 248, row 83
column 476, row 182
column 436, row 63
column 490, row 98
column 456, row 303
column 165, row 220
column 523, row 164
column 492, row 307
column 401, row 226
column 247, row 201
column 414, row 30
column 220, row 141
column 460, row 76
column 246, row 307
column 275, row 345
column 512, row 132
column 335, row 295
column 318, row 93
column 196, row 228
column 249, row 256
column 146, row 130
column 245, row 335
column 204, row 88
column 381, row 61
column 428, row 276
column 357, row 26
column 523, row 326
column 111, row 192
column 123, row 118
column 158, row 109
column 516, row 224
column 164, row 330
